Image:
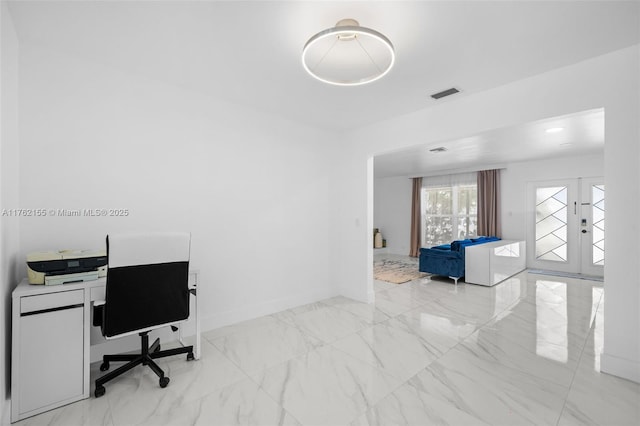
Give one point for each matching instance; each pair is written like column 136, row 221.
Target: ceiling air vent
column 439, row 149
column 444, row 93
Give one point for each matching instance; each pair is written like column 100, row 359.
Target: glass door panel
column 551, row 223
column 592, row 226
column 552, row 241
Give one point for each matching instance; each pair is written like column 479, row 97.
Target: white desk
column 51, row 344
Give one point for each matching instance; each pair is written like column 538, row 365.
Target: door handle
column 584, row 231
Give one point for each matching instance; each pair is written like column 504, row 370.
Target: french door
column 592, row 226
column 566, row 230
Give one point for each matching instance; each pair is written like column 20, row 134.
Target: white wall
column 252, row 188
column 609, row 81
column 9, row 226
column 392, row 212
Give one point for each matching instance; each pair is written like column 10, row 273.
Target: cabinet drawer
column 51, row 359
column 43, row 302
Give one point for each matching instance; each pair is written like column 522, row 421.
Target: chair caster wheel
column 190, row 356
column 164, row 381
column 104, row 367
column 100, row 390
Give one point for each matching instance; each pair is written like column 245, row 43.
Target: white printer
column 66, row 266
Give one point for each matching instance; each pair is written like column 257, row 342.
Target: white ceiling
column 582, row 134
column 249, row 53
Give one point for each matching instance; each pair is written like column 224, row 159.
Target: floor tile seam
column 233, row 362
column 515, row 342
column 572, row 304
column 297, row 355
column 303, row 331
column 402, row 305
column 177, row 395
column 391, row 392
column 531, row 375
column 211, row 339
column 233, row 382
column 260, row 387
column 526, row 372
column 403, row 383
column 508, row 305
column 458, row 343
column 321, row 339
column 272, row 315
column 380, row 370
column 479, row 327
column 111, row 407
column 282, row 322
column 113, row 422
column 573, row 378
column 394, row 289
column 568, row 387
column 358, row 316
column 421, row 338
column 326, row 305
column 423, row 304
column 199, row 400
column 370, row 364
column 401, row 313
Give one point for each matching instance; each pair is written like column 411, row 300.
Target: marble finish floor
column 523, row 352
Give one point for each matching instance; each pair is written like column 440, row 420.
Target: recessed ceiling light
column 554, row 129
column 439, row 149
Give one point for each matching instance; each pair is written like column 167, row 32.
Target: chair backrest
column 147, row 281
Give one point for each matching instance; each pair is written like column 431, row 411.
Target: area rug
column 396, row 271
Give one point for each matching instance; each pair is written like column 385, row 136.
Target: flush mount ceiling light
column 554, row 129
column 348, row 54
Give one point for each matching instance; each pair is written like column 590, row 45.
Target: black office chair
column 147, row 288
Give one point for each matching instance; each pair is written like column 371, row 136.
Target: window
column 449, row 209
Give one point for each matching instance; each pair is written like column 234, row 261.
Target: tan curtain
column 416, row 218
column 488, row 202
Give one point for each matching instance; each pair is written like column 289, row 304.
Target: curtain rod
column 459, row 171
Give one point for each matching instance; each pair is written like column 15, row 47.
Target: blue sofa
column 448, row 259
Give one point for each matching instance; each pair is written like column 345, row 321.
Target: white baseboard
column 256, row 310
column 371, row 296
column 5, row 413
column 621, row 367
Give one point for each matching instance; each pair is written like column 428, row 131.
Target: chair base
column 145, row 357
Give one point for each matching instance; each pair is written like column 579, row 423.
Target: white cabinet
column 48, row 351
column 51, row 350
column 489, row 263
